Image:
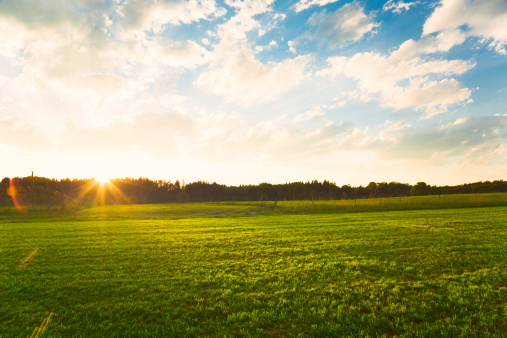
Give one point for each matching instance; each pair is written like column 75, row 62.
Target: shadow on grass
column 248, row 209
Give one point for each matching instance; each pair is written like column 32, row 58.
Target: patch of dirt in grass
column 274, row 331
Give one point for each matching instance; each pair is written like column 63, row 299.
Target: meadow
column 429, row 266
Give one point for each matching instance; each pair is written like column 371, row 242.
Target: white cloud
column 434, row 97
column 403, row 80
column 235, row 29
column 24, row 136
column 28, row 13
column 241, row 78
column 394, row 126
column 270, row 46
column 274, row 141
column 472, row 141
column 398, row 7
column 97, row 51
column 150, row 133
column 315, row 114
column 37, row 27
column 429, row 44
column 146, row 15
column 59, row 47
column 178, row 54
column 103, row 84
column 292, row 47
column 305, row 4
column 214, row 137
column 235, row 73
column 69, row 50
column 481, row 18
column 269, row 22
column 346, row 24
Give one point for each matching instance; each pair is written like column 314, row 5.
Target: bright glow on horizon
column 102, row 180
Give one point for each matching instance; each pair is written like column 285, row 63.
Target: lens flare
column 13, row 193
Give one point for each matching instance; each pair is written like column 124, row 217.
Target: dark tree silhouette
column 87, row 192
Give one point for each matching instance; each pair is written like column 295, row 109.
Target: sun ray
column 117, row 193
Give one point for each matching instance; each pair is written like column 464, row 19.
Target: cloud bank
column 315, row 86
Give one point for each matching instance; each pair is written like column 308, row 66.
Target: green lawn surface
column 246, row 269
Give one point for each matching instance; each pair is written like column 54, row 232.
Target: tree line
column 41, row 191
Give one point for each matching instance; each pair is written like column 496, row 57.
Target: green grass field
column 249, row 269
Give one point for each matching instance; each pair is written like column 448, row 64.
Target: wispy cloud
column 305, row 4
column 404, row 79
column 28, row 137
column 482, row 18
column 398, row 6
column 278, row 140
column 149, row 133
column 235, row 72
column 152, row 15
column 472, row 141
column 347, row 24
column 240, row 78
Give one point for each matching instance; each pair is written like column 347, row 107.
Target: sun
column 102, row 180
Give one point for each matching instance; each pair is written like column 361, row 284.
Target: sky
column 244, row 92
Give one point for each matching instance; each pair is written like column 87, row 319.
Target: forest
column 42, row 191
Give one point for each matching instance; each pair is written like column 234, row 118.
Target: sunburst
column 103, row 180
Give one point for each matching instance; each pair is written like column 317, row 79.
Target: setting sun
column 103, row 180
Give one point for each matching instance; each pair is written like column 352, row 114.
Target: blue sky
column 242, row 92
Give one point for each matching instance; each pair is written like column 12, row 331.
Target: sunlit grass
column 394, row 203
column 159, row 272
column 238, row 209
